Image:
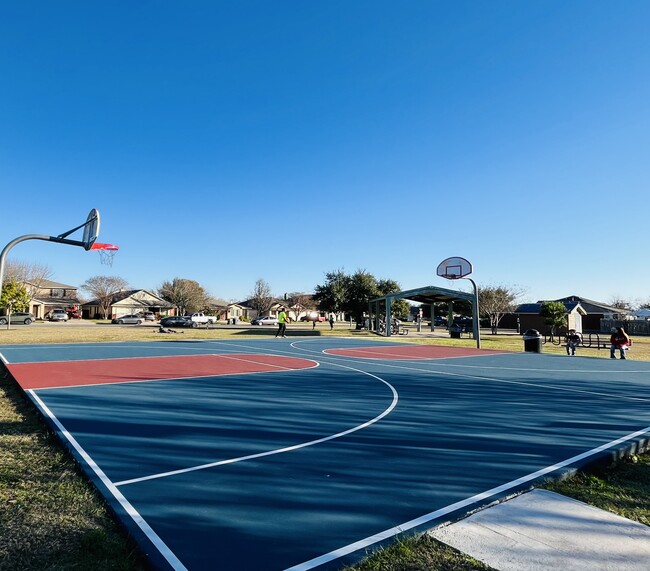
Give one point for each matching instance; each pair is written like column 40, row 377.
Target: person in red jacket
column 620, row 341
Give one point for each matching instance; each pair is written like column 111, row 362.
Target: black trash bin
column 455, row 331
column 532, row 341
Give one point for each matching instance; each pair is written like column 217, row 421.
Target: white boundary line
column 160, row 545
column 424, row 519
column 366, row 424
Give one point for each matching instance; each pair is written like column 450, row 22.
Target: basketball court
column 305, row 453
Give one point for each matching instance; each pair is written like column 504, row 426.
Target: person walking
column 282, row 323
column 331, row 320
column 619, row 340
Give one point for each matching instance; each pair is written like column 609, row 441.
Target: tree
column 332, row 295
column 352, row 293
column 261, row 299
column 620, row 303
column 31, row 274
column 362, row 288
column 103, row 288
column 14, row 297
column 555, row 315
column 186, row 295
column 495, row 301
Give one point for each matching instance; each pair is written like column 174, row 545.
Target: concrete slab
column 542, row 530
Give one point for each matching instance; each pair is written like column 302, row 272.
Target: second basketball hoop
column 454, row 268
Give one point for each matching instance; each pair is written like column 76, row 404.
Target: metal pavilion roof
column 427, row 294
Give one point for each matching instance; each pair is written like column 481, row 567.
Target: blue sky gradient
column 226, row 142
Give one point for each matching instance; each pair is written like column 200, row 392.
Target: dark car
column 178, row 321
column 20, row 317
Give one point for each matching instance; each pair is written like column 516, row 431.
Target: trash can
column 455, row 331
column 532, row 341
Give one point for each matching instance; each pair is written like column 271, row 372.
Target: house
column 244, row 309
column 530, row 317
column 595, row 311
column 129, row 301
column 48, row 295
column 240, row 311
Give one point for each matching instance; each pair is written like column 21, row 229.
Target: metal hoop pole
column 11, row 244
column 476, row 325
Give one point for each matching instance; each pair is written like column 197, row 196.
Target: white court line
column 366, row 424
column 427, row 518
column 160, row 545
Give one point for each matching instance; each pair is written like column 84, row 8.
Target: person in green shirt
column 282, row 323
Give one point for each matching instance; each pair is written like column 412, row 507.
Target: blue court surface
column 305, row 453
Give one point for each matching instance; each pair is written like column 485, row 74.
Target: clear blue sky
column 230, row 141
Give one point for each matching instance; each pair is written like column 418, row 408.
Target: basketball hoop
column 454, row 268
column 106, row 252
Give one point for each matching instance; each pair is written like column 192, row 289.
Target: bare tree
column 261, row 299
column 186, row 295
column 32, row 275
column 103, row 288
column 620, row 303
column 495, row 301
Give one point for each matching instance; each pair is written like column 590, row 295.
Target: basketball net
column 106, row 253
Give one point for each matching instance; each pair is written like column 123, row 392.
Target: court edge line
column 370, row 422
column 388, row 533
column 153, row 537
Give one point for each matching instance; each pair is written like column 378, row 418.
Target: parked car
column 177, row 321
column 266, row 320
column 149, row 316
column 439, row 321
column 58, row 315
column 131, row 319
column 19, row 317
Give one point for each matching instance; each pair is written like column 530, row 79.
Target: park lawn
column 52, row 518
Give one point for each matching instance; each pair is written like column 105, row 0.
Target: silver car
column 266, row 320
column 18, row 317
column 58, row 315
column 132, row 319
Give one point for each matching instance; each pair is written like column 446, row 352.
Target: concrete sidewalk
column 545, row 531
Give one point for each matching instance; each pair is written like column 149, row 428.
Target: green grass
column 52, row 519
